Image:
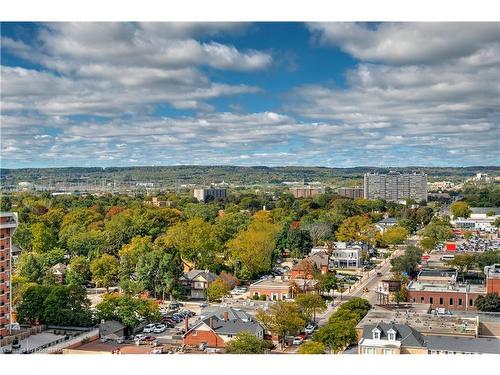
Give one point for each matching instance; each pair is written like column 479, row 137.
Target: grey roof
column 404, row 333
column 485, row 210
column 233, row 314
column 464, row 344
column 207, row 275
column 443, row 272
column 389, row 220
column 109, row 327
column 238, row 321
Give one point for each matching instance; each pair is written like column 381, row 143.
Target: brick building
column 221, row 326
column 440, row 289
column 306, row 191
column 306, row 268
column 351, row 192
column 8, row 225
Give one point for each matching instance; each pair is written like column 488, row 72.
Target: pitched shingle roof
column 238, row 321
column 404, row 333
column 207, row 275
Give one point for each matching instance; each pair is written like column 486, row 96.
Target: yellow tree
column 357, row 228
column 252, row 249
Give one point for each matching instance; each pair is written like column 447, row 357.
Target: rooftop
column 424, row 322
column 464, row 344
column 445, row 288
column 405, row 334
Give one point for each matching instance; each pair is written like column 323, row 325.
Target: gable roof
column 404, row 333
column 388, row 221
column 207, row 275
column 110, row 327
column 238, row 321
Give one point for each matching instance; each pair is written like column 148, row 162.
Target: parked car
column 204, row 304
column 149, row 328
column 297, row 340
column 310, row 328
column 159, row 328
column 379, row 274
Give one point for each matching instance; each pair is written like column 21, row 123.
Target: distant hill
column 176, row 175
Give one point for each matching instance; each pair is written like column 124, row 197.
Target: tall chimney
column 186, row 323
column 226, row 316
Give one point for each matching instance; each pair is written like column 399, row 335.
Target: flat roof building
column 306, row 191
column 210, row 193
column 351, row 192
column 395, row 186
column 8, row 225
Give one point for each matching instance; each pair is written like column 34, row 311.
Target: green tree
column 460, row 209
column 105, row 270
column 326, row 282
column 359, row 306
column 336, row 336
column 195, row 241
column 408, row 262
column 428, row 243
column 310, row 304
column 128, row 310
column 282, row 319
column 78, row 272
column 217, row 290
column 43, row 238
column 131, row 253
column 55, row 304
column 89, row 243
column 312, row 347
column 246, row 343
column 31, row 266
column 489, row 303
column 23, row 237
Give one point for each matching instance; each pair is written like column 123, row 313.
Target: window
column 391, row 335
column 471, row 302
column 422, row 299
column 376, row 334
column 460, row 302
column 451, row 301
column 388, row 351
column 431, row 300
column 414, row 300
column 441, row 301
column 369, row 351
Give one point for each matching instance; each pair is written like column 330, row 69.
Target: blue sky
column 316, row 94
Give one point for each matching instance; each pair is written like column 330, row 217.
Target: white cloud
column 408, row 43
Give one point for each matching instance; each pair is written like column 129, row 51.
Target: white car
column 159, row 328
column 297, row 341
column 309, row 329
column 149, row 328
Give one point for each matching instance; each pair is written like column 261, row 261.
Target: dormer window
column 376, row 333
column 391, row 334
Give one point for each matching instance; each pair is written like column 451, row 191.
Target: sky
column 276, row 94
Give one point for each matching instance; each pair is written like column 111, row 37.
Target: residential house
column 386, row 223
column 306, row 268
column 59, row 270
column 387, row 338
column 218, row 328
column 196, row 283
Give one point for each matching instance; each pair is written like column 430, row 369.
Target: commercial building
column 210, row 193
column 441, row 289
column 395, row 186
column 346, row 256
column 306, row 191
column 281, row 288
column 8, row 225
column 351, row 192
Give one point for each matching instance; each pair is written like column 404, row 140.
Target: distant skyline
column 275, row 94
